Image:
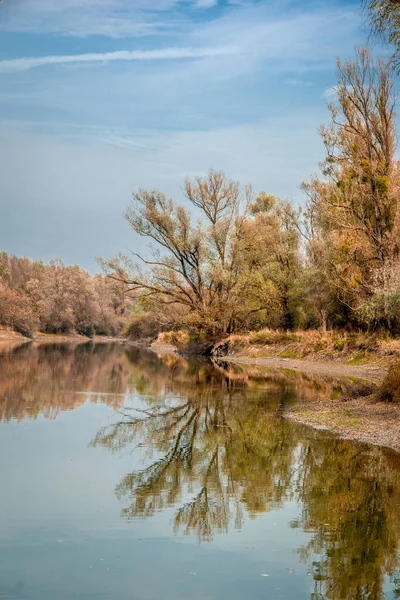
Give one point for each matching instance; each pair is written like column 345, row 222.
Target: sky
column 101, row 97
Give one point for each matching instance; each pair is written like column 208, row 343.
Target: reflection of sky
column 100, row 98
column 61, row 531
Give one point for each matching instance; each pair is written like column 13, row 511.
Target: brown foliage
column 390, row 391
column 143, row 326
column 55, row 298
column 16, row 312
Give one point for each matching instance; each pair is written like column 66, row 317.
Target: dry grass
column 352, row 348
column 390, row 390
column 176, row 338
column 187, row 343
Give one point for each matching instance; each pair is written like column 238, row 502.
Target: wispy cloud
column 112, row 18
column 312, row 34
column 23, row 64
column 254, row 32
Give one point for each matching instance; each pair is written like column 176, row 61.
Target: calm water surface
column 127, row 475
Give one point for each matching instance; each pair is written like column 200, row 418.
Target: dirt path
column 335, row 369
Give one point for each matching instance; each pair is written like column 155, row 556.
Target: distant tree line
column 240, row 260
column 54, row 298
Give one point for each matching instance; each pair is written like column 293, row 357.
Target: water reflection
column 349, row 496
column 216, row 451
column 48, row 378
column 215, row 444
column 222, row 451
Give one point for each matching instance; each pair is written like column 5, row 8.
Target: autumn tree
column 55, row 298
column 355, row 206
column 272, row 259
column 194, row 269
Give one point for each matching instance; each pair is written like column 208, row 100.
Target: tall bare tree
column 356, row 204
column 194, row 267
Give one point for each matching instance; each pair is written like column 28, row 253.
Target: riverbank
column 335, row 369
column 54, row 338
column 8, row 335
column 356, row 415
column 359, row 361
column 362, row 419
column 351, row 349
column 333, row 353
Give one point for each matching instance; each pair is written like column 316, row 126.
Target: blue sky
column 100, row 97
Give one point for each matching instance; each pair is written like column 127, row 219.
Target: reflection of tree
column 218, row 450
column 350, row 496
column 45, row 378
column 216, row 445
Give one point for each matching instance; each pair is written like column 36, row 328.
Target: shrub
column 142, row 326
column 390, row 390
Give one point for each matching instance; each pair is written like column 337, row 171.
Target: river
column 131, row 475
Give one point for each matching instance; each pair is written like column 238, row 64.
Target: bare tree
column 194, row 267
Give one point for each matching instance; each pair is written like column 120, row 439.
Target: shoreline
column 13, row 336
column 362, row 419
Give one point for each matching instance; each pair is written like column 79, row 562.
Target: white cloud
column 23, row 64
column 119, row 18
column 255, row 32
